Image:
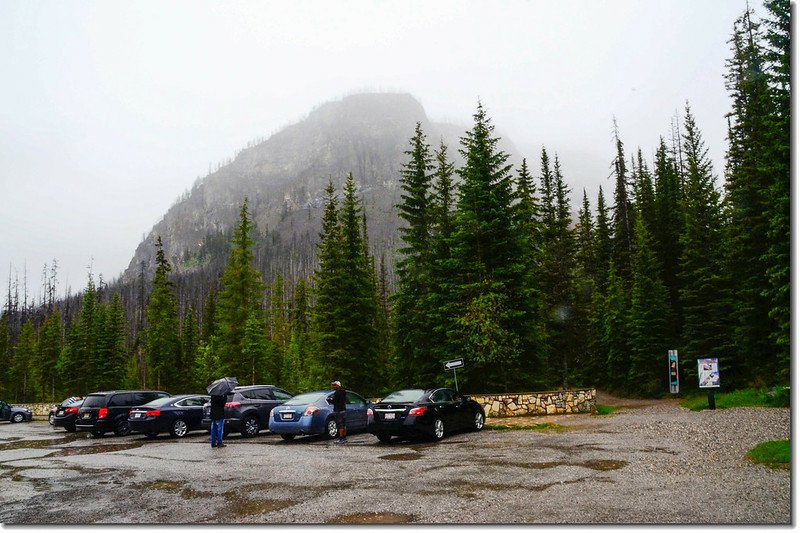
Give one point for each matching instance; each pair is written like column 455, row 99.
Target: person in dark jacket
column 217, row 420
column 340, row 410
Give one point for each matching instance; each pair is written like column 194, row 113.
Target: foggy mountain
column 284, row 179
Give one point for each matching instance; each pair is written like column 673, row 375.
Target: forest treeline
column 492, row 268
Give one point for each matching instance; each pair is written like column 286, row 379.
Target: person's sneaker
column 221, row 445
column 213, row 445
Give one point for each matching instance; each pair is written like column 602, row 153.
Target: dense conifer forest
column 492, row 266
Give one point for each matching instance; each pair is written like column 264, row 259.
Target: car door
column 356, row 411
column 463, row 410
column 194, row 410
column 446, row 408
column 5, row 411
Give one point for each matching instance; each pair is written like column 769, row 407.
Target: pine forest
column 492, row 264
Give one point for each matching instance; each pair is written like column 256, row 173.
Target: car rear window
column 160, row 402
column 95, row 400
column 305, row 399
column 401, row 396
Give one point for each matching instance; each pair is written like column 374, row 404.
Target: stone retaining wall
column 538, row 403
column 38, row 409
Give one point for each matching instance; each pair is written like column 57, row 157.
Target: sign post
column 453, row 365
column 708, row 377
column 673, row 371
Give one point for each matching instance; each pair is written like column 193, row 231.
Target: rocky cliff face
column 284, row 179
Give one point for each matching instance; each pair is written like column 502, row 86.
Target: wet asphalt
column 589, row 469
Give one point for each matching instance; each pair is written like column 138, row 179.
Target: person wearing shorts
column 339, row 402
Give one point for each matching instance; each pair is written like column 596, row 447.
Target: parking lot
column 655, row 463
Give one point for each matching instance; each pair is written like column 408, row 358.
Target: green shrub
column 698, row 401
column 778, row 397
column 606, row 409
column 773, row 453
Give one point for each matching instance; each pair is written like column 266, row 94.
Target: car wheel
column 331, row 428
column 19, row 417
column 97, row 433
column 438, row 429
column 287, row 436
column 384, row 437
column 179, row 428
column 122, row 428
column 479, row 421
column 50, row 418
column 250, row 426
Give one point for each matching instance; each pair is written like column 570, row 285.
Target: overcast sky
column 110, row 110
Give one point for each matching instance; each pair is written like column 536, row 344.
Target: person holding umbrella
column 218, row 391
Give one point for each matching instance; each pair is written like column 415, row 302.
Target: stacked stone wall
column 538, row 403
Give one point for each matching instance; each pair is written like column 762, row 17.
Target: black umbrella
column 222, row 386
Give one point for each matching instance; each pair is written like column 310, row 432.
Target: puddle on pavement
column 401, row 457
column 372, row 518
column 39, row 443
column 238, row 507
column 101, row 448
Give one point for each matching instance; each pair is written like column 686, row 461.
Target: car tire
column 478, row 421
column 122, row 428
column 287, row 436
column 250, row 427
column 50, row 418
column 179, row 428
column 438, row 429
column 96, row 433
column 384, row 437
column 331, row 428
column 17, row 418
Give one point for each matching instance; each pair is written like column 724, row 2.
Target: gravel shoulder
column 651, row 462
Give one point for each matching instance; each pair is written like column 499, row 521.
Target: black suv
column 108, row 411
column 247, row 408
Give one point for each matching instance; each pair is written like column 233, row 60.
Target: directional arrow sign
column 455, row 363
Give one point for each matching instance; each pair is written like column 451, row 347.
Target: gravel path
column 652, row 462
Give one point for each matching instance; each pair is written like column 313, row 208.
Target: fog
column 110, row 110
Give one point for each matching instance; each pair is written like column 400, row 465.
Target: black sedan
column 425, row 413
column 66, row 414
column 176, row 415
column 14, row 414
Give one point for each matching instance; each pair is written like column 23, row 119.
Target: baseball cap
column 336, row 383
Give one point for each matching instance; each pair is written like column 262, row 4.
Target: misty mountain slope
column 284, row 179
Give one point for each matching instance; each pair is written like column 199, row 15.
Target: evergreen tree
column 748, row 182
column 279, row 329
column 489, row 272
column 706, row 332
column 622, row 234
column 414, row 265
column 648, row 319
column 50, row 335
column 163, row 332
column 23, row 364
column 615, row 332
column 587, row 363
column 258, row 352
column 115, row 348
column 603, row 240
column 294, row 370
column 240, row 297
column 190, row 345
column 5, row 355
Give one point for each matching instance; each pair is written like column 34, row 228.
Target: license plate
column 388, row 416
column 287, row 416
column 87, row 415
column 59, row 413
column 138, row 415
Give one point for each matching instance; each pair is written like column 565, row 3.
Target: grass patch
column 526, row 427
column 739, row 398
column 606, row 409
column 773, row 453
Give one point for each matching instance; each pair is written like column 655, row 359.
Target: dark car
column 66, row 414
column 247, row 408
column 176, row 415
column 428, row 413
column 14, row 414
column 108, row 411
column 312, row 414
column 55, row 408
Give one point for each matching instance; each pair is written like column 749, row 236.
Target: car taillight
column 154, row 412
column 102, row 413
column 233, row 404
column 310, row 410
column 369, row 412
column 71, row 410
column 417, row 411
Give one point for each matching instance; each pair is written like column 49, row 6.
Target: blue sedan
column 176, row 415
column 312, row 414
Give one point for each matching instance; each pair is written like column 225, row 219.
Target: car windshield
column 73, row 403
column 305, row 399
column 95, row 400
column 160, row 402
column 404, row 396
